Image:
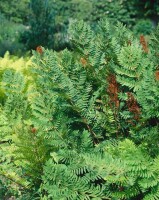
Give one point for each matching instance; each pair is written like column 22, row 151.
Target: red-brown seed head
column 83, row 61
column 34, row 130
column 157, row 75
column 39, row 49
column 143, row 43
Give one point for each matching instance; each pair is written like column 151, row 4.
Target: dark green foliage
column 15, row 11
column 41, row 25
column 46, row 22
column 115, row 10
column 143, row 27
column 148, row 8
column 9, row 36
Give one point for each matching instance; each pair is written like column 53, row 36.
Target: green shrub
column 84, row 129
column 15, row 11
column 144, row 27
column 10, row 37
column 41, row 25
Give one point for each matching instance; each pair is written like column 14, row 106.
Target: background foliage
column 46, row 22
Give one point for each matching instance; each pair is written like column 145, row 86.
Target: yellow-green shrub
column 16, row 64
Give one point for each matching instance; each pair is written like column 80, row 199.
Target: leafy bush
column 84, row 129
column 15, row 11
column 41, row 25
column 46, row 22
column 10, row 37
column 14, row 63
column 143, row 27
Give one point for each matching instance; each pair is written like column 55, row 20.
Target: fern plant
column 84, row 129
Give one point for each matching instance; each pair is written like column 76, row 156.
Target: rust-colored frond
column 143, row 42
column 157, row 75
column 34, row 130
column 39, row 49
column 83, row 61
column 133, row 106
column 113, row 90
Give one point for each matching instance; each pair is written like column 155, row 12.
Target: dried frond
column 113, row 90
column 143, row 42
column 133, row 106
column 39, row 49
